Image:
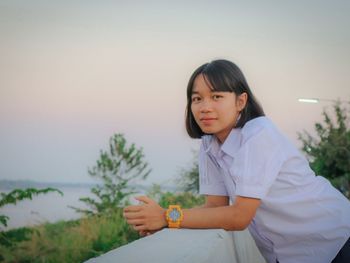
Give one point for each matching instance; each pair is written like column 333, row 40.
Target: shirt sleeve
column 257, row 164
column 210, row 176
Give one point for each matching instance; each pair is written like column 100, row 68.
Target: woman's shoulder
column 257, row 126
column 262, row 131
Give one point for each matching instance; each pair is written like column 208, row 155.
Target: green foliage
column 20, row 194
column 105, row 228
column 11, row 237
column 79, row 240
column 329, row 151
column 116, row 168
column 188, row 180
column 185, row 199
column 71, row 241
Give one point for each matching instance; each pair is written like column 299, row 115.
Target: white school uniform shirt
column 302, row 217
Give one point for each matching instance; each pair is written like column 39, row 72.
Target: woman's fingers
column 143, row 233
column 132, row 208
column 132, row 215
column 135, row 221
column 144, row 199
column 148, row 216
column 139, row 228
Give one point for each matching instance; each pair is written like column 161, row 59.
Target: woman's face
column 215, row 112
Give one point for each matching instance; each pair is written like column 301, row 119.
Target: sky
column 73, row 73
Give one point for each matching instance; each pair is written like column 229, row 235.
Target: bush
column 185, row 199
column 72, row 241
column 329, row 151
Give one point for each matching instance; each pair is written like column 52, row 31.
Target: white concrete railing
column 187, row 246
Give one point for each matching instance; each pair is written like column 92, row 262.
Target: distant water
column 49, row 207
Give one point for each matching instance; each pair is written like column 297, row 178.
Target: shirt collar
column 232, row 143
column 211, row 144
column 230, row 146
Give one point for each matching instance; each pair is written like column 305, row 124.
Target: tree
column 189, row 178
column 20, row 194
column 116, row 168
column 329, row 151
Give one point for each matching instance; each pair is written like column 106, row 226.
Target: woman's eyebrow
column 211, row 91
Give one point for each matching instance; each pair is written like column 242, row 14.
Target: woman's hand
column 146, row 217
column 147, row 233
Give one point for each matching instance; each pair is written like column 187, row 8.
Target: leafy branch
column 17, row 195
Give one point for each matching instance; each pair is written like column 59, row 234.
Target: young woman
column 252, row 176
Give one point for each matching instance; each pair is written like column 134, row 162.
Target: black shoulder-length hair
column 222, row 75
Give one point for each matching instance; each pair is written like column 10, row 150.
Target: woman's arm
column 215, row 201
column 150, row 216
column 230, row 217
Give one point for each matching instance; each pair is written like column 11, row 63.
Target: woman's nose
column 206, row 106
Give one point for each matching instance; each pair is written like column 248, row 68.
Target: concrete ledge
column 187, row 246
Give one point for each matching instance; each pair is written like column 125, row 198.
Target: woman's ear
column 242, row 101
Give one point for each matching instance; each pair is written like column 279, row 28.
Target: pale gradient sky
column 72, row 73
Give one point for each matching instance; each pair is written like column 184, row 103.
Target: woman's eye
column 216, row 97
column 196, row 99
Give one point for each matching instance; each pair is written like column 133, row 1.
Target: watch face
column 174, row 214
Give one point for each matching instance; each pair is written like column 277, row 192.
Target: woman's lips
column 207, row 121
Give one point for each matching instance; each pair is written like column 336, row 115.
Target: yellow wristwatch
column 174, row 216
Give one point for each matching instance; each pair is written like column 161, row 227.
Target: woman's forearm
column 225, row 217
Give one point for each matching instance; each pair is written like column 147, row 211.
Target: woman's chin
column 208, row 131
